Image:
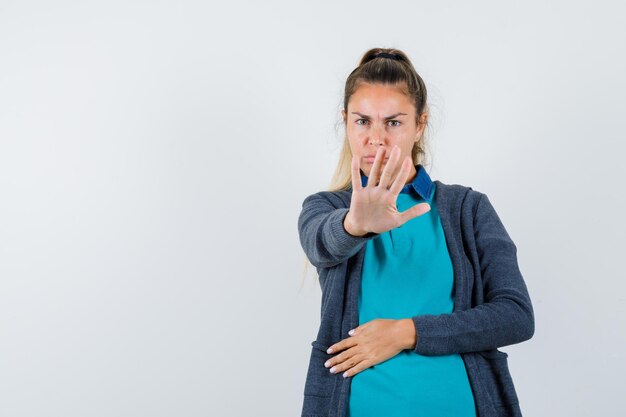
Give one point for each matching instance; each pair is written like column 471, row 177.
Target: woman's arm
column 323, row 236
column 506, row 316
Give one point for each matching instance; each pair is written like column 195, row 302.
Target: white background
column 154, row 157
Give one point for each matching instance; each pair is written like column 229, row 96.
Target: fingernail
column 330, row 350
column 351, row 332
column 345, row 374
column 333, row 370
column 327, row 364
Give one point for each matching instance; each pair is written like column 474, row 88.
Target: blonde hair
column 373, row 69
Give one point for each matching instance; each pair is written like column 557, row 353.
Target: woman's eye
column 365, row 120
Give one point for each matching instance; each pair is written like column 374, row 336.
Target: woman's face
column 381, row 116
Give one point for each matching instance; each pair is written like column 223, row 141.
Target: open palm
column 373, row 207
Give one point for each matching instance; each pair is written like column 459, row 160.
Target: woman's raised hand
column 373, row 207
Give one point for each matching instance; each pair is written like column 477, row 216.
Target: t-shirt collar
column 422, row 184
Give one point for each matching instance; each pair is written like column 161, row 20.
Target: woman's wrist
column 408, row 334
column 347, row 224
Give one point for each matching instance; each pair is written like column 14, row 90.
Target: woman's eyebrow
column 365, row 116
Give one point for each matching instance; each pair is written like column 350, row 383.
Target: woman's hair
column 397, row 71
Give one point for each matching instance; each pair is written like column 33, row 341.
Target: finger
column 403, row 175
column 356, row 174
column 334, row 348
column 416, row 210
column 372, row 180
column 361, row 366
column 385, row 178
column 339, row 358
column 339, row 346
column 346, row 363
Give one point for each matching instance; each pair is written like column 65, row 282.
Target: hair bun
column 386, row 55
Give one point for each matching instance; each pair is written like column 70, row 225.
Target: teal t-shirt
column 407, row 271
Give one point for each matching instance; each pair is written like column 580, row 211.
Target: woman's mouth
column 370, row 159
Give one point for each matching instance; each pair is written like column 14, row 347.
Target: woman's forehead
column 380, row 102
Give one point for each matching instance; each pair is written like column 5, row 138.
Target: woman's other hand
column 371, row 343
column 373, row 207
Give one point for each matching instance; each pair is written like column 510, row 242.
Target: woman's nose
column 377, row 135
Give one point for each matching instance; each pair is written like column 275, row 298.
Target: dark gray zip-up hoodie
column 492, row 307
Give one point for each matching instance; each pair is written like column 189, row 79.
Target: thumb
column 416, row 210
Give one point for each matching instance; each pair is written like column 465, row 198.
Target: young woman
column 420, row 281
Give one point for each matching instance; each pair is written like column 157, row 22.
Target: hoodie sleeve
column 323, row 237
column 506, row 315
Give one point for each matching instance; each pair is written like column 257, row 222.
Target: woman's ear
column 422, row 124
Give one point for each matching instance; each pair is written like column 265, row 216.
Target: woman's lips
column 370, row 159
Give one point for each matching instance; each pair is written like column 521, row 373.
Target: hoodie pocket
column 320, row 346
column 493, row 354
column 494, row 368
column 320, row 382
